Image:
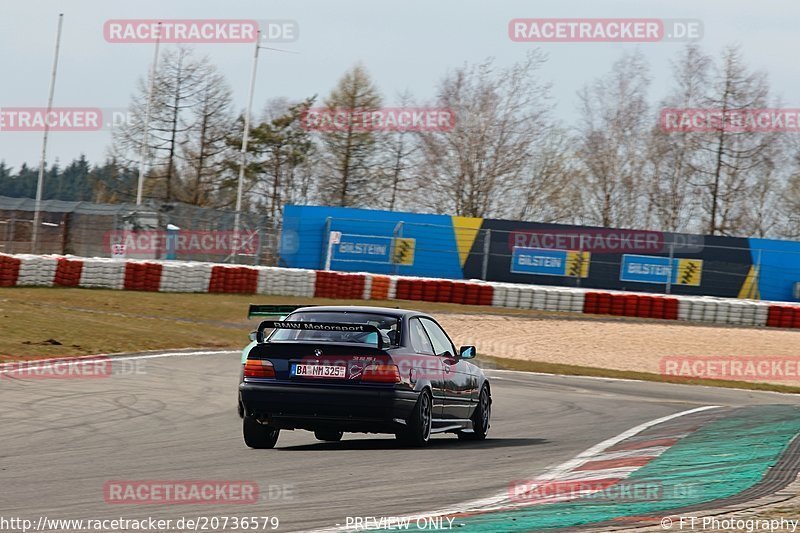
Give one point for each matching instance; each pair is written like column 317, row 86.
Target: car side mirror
column 467, row 352
column 253, row 335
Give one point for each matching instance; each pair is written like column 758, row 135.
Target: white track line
column 123, row 357
column 37, row 364
column 553, row 474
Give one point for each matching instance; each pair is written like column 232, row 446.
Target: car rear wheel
column 480, row 418
column 418, row 431
column 257, row 435
column 329, row 436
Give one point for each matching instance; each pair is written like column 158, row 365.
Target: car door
column 427, row 365
column 456, row 372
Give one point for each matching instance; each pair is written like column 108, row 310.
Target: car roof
column 391, row 311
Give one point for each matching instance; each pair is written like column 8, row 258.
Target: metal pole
column 757, row 278
column 580, row 265
column 146, row 132
column 42, row 161
column 11, row 246
column 396, row 233
column 328, row 244
column 487, row 241
column 245, row 138
column 669, row 270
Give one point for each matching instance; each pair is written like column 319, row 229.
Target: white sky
column 406, row 44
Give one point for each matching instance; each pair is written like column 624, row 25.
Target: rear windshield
column 389, row 327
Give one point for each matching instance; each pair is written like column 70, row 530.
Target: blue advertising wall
column 454, row 248
column 780, row 267
column 303, row 240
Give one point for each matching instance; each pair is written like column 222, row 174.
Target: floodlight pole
column 146, row 130
column 43, row 161
column 245, row 139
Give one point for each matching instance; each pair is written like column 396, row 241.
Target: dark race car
column 335, row 369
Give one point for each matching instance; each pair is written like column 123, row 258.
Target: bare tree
column 205, row 147
column 477, row 168
column 611, row 143
column 550, row 190
column 789, row 206
column 281, row 147
column 730, row 159
column 349, row 152
column 185, row 90
column 397, row 164
column 671, row 194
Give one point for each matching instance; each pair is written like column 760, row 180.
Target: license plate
column 319, row 371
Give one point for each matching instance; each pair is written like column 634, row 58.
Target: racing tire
column 480, row 418
column 259, row 436
column 418, row 431
column 329, row 436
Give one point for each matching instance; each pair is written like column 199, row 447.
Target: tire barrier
column 9, row 270
column 178, row 276
column 36, row 271
column 103, row 274
column 68, row 272
column 142, row 276
column 379, row 288
column 340, row 285
column 185, row 277
column 634, row 305
column 233, row 280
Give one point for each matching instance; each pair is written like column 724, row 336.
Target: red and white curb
column 25, row 270
column 605, row 460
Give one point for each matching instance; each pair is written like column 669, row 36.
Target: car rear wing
column 273, row 310
column 317, row 326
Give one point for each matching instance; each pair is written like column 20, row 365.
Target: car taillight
column 381, row 374
column 259, row 368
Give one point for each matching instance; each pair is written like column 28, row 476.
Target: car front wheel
column 480, row 418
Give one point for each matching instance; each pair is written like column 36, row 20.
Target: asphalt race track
column 174, row 418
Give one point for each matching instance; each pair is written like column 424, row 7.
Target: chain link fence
column 149, row 231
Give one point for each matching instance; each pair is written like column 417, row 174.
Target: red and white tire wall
column 173, row 276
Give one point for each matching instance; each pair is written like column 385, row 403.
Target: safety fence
column 178, row 276
column 154, row 230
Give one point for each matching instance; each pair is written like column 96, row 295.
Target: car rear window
column 388, row 325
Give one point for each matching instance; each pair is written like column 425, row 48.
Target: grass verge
column 49, row 322
column 575, row 370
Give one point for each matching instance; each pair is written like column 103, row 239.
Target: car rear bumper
column 318, row 406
